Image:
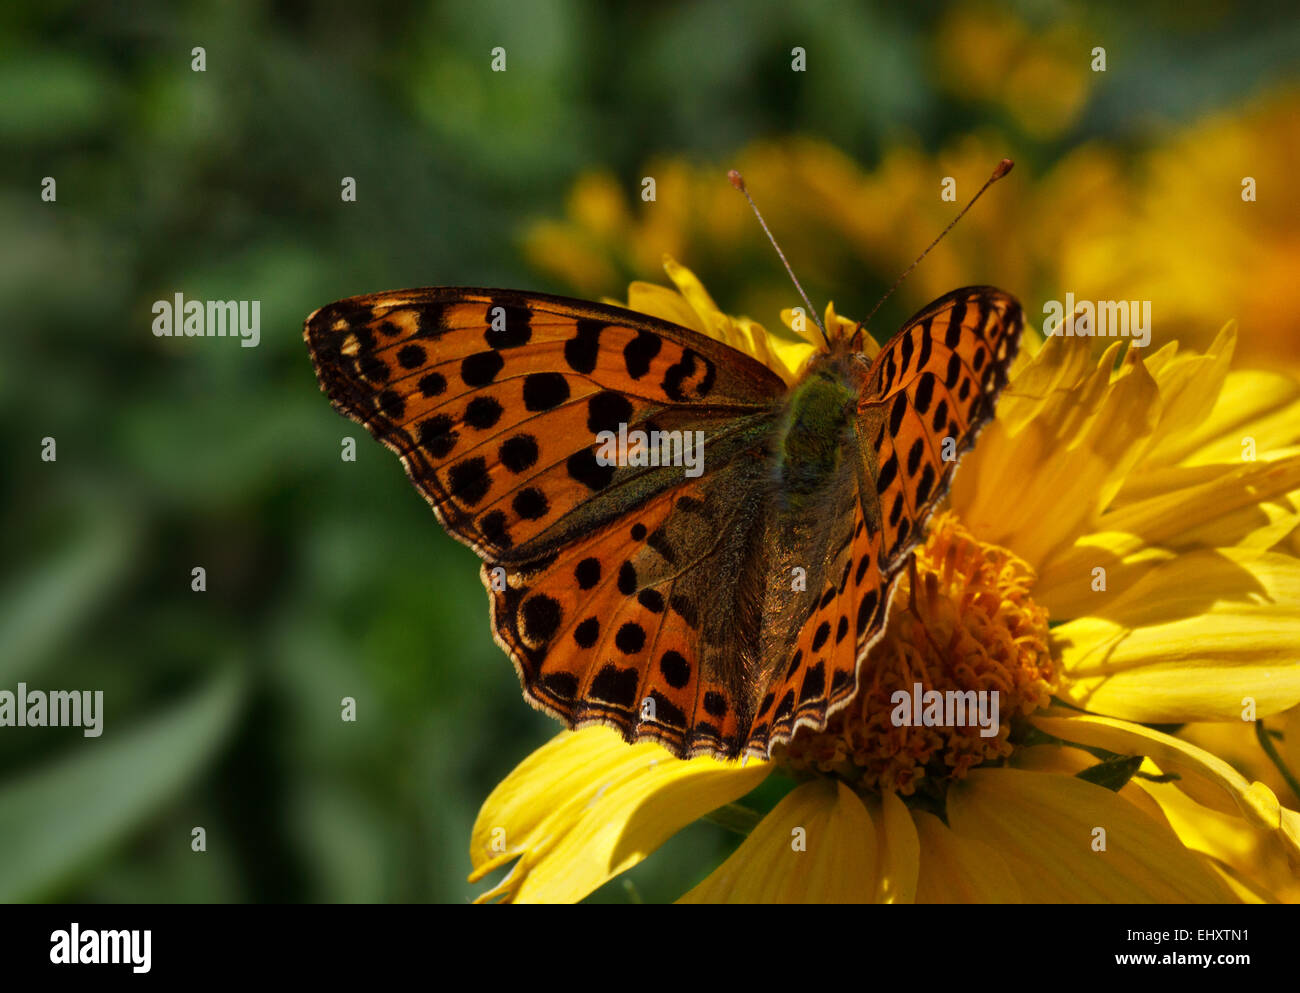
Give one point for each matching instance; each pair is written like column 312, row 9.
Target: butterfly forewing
column 494, row 401
column 930, row 391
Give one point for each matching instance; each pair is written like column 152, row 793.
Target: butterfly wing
column 927, row 395
column 930, row 391
column 603, row 578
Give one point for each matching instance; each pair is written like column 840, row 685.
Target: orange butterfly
column 714, row 612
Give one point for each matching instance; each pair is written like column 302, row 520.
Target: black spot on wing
column 544, row 390
column 582, row 350
column 689, row 378
column 432, row 385
column 509, row 326
column 606, row 411
column 438, row 434
column 518, row 453
column 411, row 356
column 677, row 671
column 640, row 351
column 583, row 466
column 615, row 685
column 468, row 481
column 953, row 335
column 483, row 413
column 481, row 368
column 587, row 573
column 924, row 392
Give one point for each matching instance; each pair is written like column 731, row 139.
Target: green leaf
column 37, row 612
column 56, row 818
column 51, row 97
column 1112, row 773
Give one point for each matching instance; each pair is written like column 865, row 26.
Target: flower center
column 938, row 692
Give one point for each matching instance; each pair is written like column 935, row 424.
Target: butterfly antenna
column 1003, row 168
column 738, row 182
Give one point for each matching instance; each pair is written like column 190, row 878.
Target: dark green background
column 329, row 579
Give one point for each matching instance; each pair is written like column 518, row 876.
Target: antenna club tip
column 737, row 180
column 1004, row 167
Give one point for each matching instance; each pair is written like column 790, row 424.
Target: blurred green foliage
column 329, row 579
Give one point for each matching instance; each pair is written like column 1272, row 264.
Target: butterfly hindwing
column 841, row 616
column 639, row 626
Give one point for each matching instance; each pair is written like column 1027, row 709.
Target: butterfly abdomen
column 809, row 443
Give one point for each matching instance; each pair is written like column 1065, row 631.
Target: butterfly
column 715, row 612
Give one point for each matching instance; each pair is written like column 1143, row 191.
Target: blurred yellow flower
column 986, row 53
column 1172, row 227
column 1165, row 222
column 1109, row 493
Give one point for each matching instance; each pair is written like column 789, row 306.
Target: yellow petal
column 1045, row 827
column 1190, row 641
column 1060, row 364
column 1262, row 406
column 960, row 870
column 1160, row 359
column 1039, row 489
column 1237, row 743
column 781, row 351
column 1245, row 506
column 1071, row 762
column 1254, row 861
column 1189, row 388
column 690, row 287
column 1204, row 777
column 804, row 326
column 661, row 302
column 838, row 326
column 1290, row 833
column 817, row 846
column 788, row 358
column 898, row 853
column 586, row 806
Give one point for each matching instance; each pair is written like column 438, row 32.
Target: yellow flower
column 1110, row 495
column 692, row 307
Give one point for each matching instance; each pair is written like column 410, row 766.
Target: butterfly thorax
column 809, row 442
